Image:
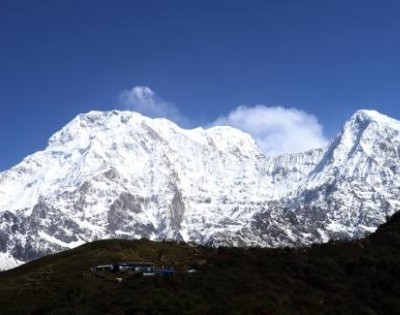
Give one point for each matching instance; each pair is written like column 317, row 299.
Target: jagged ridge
column 120, row 174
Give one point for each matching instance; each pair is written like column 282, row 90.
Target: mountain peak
column 361, row 120
column 368, row 115
column 121, row 174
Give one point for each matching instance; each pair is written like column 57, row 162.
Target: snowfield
column 120, row 174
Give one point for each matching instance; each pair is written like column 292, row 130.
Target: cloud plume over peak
column 277, row 130
column 144, row 100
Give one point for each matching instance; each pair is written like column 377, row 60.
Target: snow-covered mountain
column 120, row 174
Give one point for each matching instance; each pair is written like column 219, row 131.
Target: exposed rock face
column 119, row 174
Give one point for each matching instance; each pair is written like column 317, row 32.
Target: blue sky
column 199, row 60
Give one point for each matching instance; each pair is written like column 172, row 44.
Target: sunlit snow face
column 120, row 174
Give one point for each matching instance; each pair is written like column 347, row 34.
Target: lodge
column 145, row 269
column 131, row 266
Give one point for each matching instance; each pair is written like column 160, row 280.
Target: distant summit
column 373, row 115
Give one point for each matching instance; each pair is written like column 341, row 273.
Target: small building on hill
column 123, row 267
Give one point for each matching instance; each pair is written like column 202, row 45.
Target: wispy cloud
column 277, row 130
column 144, row 100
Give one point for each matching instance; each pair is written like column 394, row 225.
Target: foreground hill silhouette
column 358, row 277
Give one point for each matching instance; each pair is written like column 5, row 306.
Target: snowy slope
column 8, row 262
column 120, row 174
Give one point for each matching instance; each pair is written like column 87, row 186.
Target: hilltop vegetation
column 359, row 277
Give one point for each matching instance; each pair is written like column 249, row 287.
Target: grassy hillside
column 361, row 277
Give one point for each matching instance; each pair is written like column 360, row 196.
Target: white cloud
column 144, row 100
column 277, row 130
